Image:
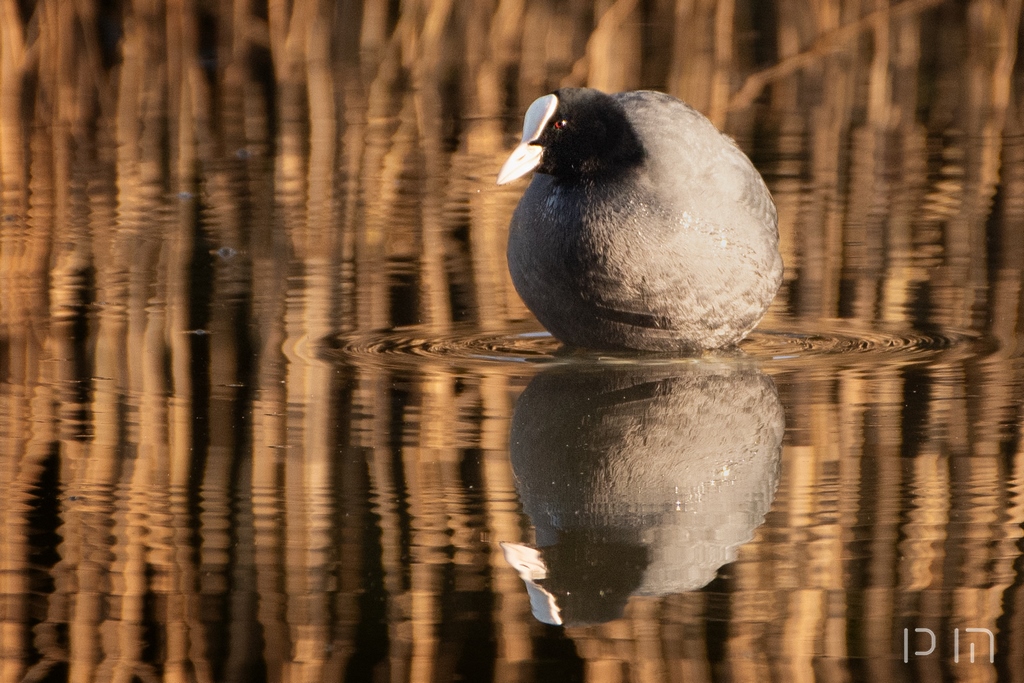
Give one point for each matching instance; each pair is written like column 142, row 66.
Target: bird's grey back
column 707, row 170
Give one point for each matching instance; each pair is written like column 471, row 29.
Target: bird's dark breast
column 565, row 243
column 543, row 246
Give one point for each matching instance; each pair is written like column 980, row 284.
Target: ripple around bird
column 830, row 341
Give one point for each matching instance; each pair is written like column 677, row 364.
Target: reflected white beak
column 531, row 568
column 526, row 156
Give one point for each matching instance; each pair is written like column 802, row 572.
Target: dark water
column 271, row 410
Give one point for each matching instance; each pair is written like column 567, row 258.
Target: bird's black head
column 574, row 134
column 587, row 136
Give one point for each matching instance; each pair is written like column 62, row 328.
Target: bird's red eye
column 560, row 124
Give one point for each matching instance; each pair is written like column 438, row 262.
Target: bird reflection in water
column 640, row 479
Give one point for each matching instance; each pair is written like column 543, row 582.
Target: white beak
column 524, row 158
column 527, row 156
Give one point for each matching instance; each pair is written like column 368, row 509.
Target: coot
column 643, row 227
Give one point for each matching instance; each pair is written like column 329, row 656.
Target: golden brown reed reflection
column 197, row 199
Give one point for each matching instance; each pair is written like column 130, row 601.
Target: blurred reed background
column 196, row 194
